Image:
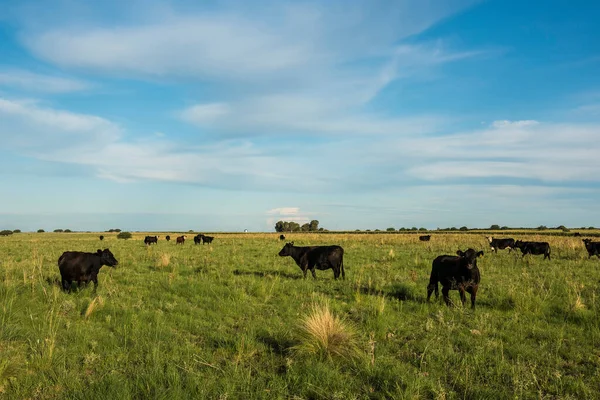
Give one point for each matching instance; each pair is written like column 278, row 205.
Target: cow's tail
column 342, row 268
column 60, row 259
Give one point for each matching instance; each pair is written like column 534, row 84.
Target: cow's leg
column 547, row 254
column 336, row 273
column 430, row 288
column 66, row 285
column 312, row 270
column 304, row 272
column 463, row 296
column 445, row 291
column 473, row 291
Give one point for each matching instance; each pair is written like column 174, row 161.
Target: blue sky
column 231, row 115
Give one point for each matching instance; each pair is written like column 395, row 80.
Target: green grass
column 228, row 321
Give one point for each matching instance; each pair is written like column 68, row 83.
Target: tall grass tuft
column 163, row 260
column 327, row 336
column 96, row 302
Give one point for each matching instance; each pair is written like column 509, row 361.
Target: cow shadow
column 54, row 281
column 279, row 346
column 267, row 274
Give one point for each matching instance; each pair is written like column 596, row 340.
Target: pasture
column 229, row 321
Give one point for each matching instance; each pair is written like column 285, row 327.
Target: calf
column 501, row 244
column 83, row 267
column 198, row 238
column 101, row 237
column 148, row 240
column 281, row 237
column 424, row 238
column 456, row 273
column 319, row 257
column 180, row 239
column 593, row 248
column 535, row 248
column 207, row 239
column 167, row 238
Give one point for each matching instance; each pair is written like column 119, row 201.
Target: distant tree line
column 291, row 226
column 114, row 230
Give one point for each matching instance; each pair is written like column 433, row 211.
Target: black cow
column 207, row 239
column 319, row 257
column 577, row 234
column 180, row 239
column 535, row 248
column 83, row 267
column 198, row 238
column 101, row 237
column 424, row 238
column 281, row 237
column 501, row 244
column 456, row 273
column 167, row 238
column 593, row 248
column 148, row 240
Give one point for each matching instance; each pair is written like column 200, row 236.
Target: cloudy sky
column 231, row 115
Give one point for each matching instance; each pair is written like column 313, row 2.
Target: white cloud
column 288, row 211
column 204, row 113
column 40, row 83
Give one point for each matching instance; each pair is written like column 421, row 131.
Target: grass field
column 234, row 321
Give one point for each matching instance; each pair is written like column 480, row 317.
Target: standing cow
column 535, row 248
column 281, row 237
column 148, row 240
column 456, row 273
column 424, row 238
column 593, row 248
column 83, row 267
column 101, row 237
column 207, row 239
column 319, row 257
column 167, row 238
column 501, row 244
column 198, row 239
column 180, row 239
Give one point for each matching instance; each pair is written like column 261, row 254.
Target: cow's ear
column 460, row 253
column 292, row 243
column 480, row 254
column 99, row 251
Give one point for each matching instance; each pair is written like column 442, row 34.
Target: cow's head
column 587, row 242
column 489, row 238
column 287, row 249
column 107, row 257
column 469, row 257
column 518, row 243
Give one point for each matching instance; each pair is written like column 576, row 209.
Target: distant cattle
column 101, row 237
column 425, row 238
column 281, row 237
column 167, row 238
column 83, row 267
column 455, row 273
column 501, row 244
column 148, row 240
column 534, row 248
column 198, row 239
column 207, row 239
column 577, row 234
column 180, row 239
column 593, row 248
column 319, row 257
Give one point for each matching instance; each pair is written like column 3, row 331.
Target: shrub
column 41, row 231
column 327, row 336
column 390, row 229
column 67, row 231
column 463, row 228
column 495, row 227
column 124, row 235
column 17, row 231
column 58, row 230
column 5, row 232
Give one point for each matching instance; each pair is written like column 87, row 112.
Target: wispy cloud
column 40, row 83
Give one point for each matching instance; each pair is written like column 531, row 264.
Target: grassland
column 234, row 321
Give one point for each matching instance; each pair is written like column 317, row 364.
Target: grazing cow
column 180, row 239
column 535, row 248
column 593, row 248
column 101, row 237
column 501, row 244
column 198, row 238
column 281, row 237
column 319, row 257
column 456, row 273
column 577, row 234
column 424, row 238
column 83, row 267
column 207, row 239
column 148, row 240
column 167, row 238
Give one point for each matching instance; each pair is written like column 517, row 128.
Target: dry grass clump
column 163, row 260
column 326, row 335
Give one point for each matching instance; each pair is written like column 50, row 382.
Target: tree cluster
column 114, row 230
column 291, row 226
